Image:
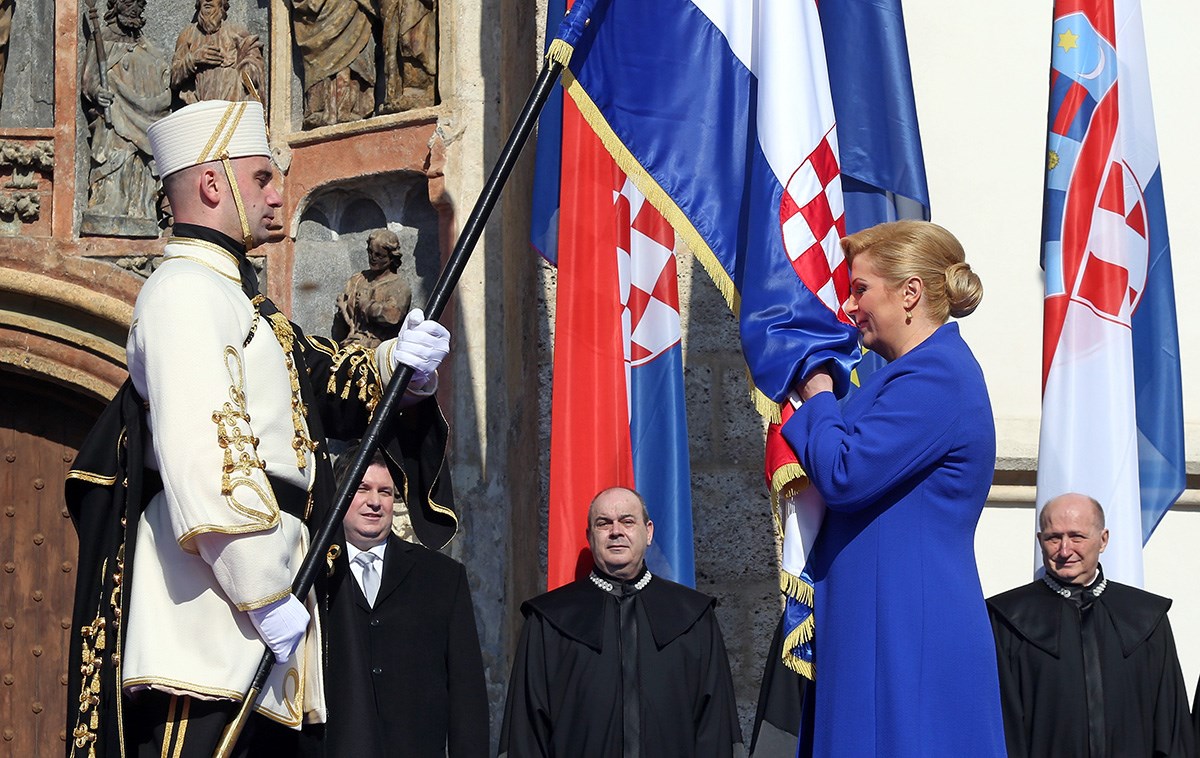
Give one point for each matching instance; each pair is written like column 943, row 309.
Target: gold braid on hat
column 218, row 149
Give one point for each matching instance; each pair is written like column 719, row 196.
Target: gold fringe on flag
column 799, row 636
column 560, row 52
column 796, row 588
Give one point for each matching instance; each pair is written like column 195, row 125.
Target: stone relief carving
column 125, row 87
column 409, row 50
column 337, row 48
column 337, row 45
column 216, row 59
column 19, row 198
column 376, row 300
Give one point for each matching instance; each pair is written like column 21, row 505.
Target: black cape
column 110, row 485
column 565, row 695
column 1047, row 676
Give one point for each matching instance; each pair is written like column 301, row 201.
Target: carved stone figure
column 409, row 48
column 216, row 59
column 376, row 300
column 337, row 48
column 126, row 86
column 6, row 15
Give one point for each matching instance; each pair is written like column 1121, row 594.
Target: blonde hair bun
column 964, row 290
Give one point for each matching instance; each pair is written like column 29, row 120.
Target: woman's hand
column 820, row 380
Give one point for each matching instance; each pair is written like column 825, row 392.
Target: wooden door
column 41, row 427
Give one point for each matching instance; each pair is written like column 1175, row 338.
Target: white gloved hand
column 421, row 344
column 281, row 625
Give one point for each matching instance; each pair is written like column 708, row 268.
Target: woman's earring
column 907, row 317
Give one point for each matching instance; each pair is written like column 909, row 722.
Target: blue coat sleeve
column 908, row 427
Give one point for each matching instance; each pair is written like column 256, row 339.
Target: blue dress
column 905, row 659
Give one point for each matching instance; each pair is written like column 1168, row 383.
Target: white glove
column 281, row 625
column 421, row 344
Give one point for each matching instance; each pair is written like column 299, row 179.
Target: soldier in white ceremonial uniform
column 235, row 398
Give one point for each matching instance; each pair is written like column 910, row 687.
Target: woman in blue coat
column 905, row 660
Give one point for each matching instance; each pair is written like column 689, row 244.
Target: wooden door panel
column 41, row 427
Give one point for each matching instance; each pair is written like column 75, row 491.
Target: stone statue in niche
column 216, row 59
column 337, row 47
column 409, row 49
column 376, row 300
column 6, row 16
column 126, row 87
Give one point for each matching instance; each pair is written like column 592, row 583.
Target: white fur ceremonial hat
column 208, row 131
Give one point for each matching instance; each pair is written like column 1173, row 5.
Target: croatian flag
column 719, row 112
column 1112, row 420
column 883, row 179
column 618, row 414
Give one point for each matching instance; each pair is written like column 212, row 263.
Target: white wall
column 980, row 72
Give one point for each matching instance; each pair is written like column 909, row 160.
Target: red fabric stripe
column 1077, row 216
column 589, row 443
column 1069, row 108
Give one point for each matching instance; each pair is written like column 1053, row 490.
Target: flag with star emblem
column 1112, row 418
column 617, row 415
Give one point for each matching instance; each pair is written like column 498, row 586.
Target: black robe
column 572, row 693
column 1101, row 665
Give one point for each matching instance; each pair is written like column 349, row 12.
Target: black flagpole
column 438, row 299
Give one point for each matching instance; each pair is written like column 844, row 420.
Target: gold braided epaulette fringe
column 354, row 367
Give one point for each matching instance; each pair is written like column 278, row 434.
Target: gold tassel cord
column 354, row 367
column 560, row 52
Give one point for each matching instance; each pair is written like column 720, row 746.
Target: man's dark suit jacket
column 405, row 678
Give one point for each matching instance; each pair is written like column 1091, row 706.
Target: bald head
column 1073, row 500
column 1072, row 537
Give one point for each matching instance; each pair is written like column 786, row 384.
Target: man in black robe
column 620, row 663
column 1088, row 666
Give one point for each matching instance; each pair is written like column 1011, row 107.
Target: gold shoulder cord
column 282, row 328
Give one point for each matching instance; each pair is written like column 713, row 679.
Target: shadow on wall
column 331, row 241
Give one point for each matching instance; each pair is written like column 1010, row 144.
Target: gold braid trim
column 301, row 442
column 94, row 642
column 230, row 419
column 360, row 371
